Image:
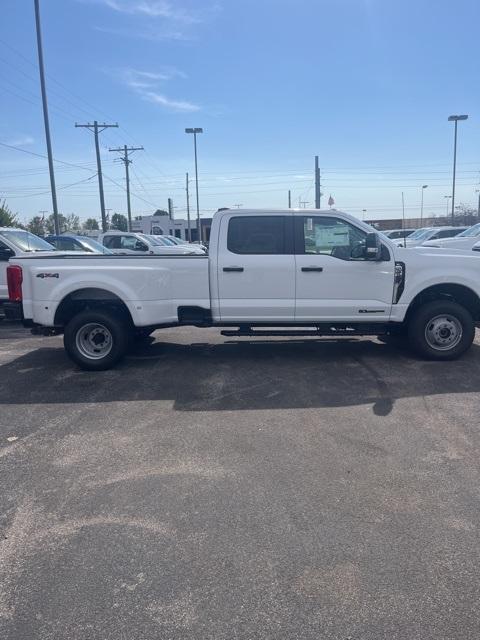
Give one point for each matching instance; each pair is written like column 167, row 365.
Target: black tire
column 112, row 334
column 441, row 330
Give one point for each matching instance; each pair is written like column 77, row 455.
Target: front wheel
column 96, row 340
column 441, row 330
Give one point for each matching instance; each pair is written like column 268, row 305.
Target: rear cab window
column 260, row 235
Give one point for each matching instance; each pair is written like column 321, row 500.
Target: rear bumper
column 13, row 311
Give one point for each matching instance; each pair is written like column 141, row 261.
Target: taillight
column 14, row 281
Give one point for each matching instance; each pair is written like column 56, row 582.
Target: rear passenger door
column 256, row 268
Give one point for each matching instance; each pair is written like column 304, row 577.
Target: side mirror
column 139, row 246
column 373, row 247
column 6, row 253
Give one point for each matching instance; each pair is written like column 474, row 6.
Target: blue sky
column 365, row 84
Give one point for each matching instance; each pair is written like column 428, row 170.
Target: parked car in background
column 429, row 233
column 15, row 242
column 66, row 242
column 198, row 248
column 465, row 240
column 125, row 242
column 395, row 234
column 180, row 241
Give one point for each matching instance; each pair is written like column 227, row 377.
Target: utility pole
column 188, row 209
column 455, row 119
column 170, row 208
column 126, row 161
column 45, row 118
column 98, row 128
column 317, row 184
column 289, row 199
column 196, row 130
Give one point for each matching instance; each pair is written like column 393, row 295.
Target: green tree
column 120, row 222
column 72, row 223
column 50, row 223
column 91, row 224
column 7, row 218
column 37, row 226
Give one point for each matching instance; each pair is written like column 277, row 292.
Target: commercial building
column 160, row 223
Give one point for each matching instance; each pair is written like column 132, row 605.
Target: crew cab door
column 333, row 284
column 256, row 268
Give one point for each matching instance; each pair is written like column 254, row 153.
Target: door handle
column 229, row 269
column 312, row 268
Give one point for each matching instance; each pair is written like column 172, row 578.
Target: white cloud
column 21, row 141
column 150, row 33
column 152, row 9
column 147, row 83
column 175, row 105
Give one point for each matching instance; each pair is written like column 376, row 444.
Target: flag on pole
column 331, row 201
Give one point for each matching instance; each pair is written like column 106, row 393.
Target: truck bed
column 152, row 287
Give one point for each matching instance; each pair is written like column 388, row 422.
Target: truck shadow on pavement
column 242, row 375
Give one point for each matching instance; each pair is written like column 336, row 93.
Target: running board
column 364, row 330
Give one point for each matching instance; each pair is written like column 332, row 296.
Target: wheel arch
column 90, row 298
column 453, row 292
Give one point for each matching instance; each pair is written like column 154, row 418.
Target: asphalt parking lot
column 215, row 488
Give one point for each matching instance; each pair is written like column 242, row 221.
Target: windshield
column 26, row 241
column 419, row 233
column 160, row 241
column 471, row 232
column 93, row 245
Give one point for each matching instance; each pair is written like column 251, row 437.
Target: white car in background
column 200, row 248
column 465, row 240
column 126, row 242
column 15, row 242
column 429, row 233
column 398, row 234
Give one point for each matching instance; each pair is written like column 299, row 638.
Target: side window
column 257, row 235
column 112, row 242
column 128, row 242
column 332, row 237
column 133, row 244
column 65, row 245
column 445, row 233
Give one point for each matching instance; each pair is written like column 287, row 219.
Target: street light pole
column 421, row 208
column 447, row 198
column 455, row 119
column 188, row 208
column 195, row 131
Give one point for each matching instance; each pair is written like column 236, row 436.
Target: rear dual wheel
column 96, row 340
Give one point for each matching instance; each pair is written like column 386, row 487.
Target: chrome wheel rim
column 443, row 332
column 94, row 341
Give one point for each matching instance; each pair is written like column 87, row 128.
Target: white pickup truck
column 294, row 272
